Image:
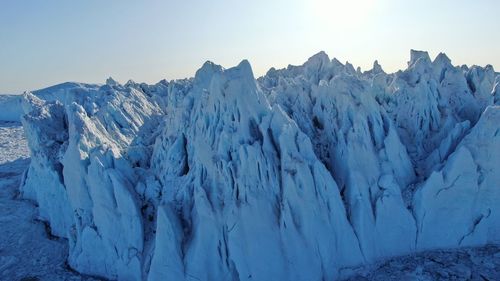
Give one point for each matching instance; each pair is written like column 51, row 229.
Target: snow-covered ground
column 27, row 251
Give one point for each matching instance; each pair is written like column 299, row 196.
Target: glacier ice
column 11, row 105
column 295, row 175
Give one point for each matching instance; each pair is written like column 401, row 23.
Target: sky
column 43, row 43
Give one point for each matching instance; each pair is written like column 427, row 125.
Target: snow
column 11, row 105
column 298, row 175
column 12, row 142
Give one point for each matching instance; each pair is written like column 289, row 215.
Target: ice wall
column 293, row 176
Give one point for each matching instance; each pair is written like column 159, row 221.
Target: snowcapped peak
column 337, row 63
column 112, row 82
column 441, row 63
column 244, row 69
column 418, row 55
column 130, row 83
column 206, row 71
column 376, row 67
column 271, row 72
column 318, row 59
column 442, row 59
column 350, row 67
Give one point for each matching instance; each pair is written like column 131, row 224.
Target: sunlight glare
column 348, row 13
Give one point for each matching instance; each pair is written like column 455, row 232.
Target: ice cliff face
column 462, row 198
column 244, row 182
column 356, row 141
column 293, row 176
column 82, row 178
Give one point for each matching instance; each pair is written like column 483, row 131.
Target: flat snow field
column 29, row 253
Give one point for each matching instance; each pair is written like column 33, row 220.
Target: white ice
column 297, row 175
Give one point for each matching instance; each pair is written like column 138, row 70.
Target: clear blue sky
column 52, row 41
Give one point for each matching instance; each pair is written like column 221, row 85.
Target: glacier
column 300, row 174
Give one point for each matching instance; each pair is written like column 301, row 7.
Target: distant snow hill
column 10, row 108
column 297, row 175
column 11, row 105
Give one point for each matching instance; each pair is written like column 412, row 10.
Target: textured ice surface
column 297, row 175
column 27, row 250
column 11, row 105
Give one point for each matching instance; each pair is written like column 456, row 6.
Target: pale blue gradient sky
column 47, row 42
